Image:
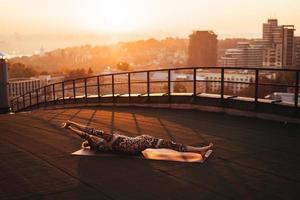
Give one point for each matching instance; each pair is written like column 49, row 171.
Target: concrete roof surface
column 252, row 159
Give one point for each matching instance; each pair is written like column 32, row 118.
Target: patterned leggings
column 135, row 145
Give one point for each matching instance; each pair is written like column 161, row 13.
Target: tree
column 44, row 73
column 20, row 70
column 77, row 73
column 90, row 71
column 124, row 66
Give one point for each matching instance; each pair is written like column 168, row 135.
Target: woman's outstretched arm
column 80, row 127
column 90, row 142
column 81, row 134
column 89, row 130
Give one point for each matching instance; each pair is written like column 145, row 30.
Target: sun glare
column 108, row 16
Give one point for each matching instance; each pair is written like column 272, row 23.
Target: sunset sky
column 150, row 17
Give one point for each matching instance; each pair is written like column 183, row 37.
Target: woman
column 100, row 141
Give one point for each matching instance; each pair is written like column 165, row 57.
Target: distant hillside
column 137, row 53
column 142, row 54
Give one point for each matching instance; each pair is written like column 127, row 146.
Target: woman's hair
column 102, row 146
column 98, row 144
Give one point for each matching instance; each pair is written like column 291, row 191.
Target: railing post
column 23, row 89
column 37, row 97
column 256, row 86
column 113, row 86
column 53, row 93
column 85, row 88
column 222, row 84
column 129, row 86
column 45, row 93
column 74, row 91
column 169, row 84
column 297, row 89
column 148, row 85
column 23, row 101
column 98, row 87
column 30, row 101
column 18, row 104
column 63, row 91
column 12, row 105
column 195, row 83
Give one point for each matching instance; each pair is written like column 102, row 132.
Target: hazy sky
column 150, row 17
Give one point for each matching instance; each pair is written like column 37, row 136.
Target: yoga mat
column 153, row 154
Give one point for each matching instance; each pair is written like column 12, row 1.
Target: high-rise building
column 288, row 46
column 279, row 44
column 244, row 55
column 276, row 49
column 272, row 56
column 231, row 58
column 272, row 33
column 297, row 52
column 203, row 49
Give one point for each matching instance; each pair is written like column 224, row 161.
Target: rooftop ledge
column 233, row 105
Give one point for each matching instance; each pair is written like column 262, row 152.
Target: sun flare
column 108, row 16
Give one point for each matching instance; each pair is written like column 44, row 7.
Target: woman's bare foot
column 203, row 150
column 200, row 150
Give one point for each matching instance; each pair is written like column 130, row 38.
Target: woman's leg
column 201, row 150
column 182, row 148
column 168, row 144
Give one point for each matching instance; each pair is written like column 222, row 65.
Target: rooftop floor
column 252, row 159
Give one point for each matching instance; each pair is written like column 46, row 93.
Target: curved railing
column 166, row 85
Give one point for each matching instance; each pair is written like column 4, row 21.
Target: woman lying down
column 101, row 141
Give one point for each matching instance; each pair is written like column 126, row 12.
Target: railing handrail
column 256, row 73
column 157, row 70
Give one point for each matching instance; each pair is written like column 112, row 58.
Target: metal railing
column 192, row 81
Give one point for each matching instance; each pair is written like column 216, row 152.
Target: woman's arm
column 81, row 127
column 90, row 130
column 81, row 134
